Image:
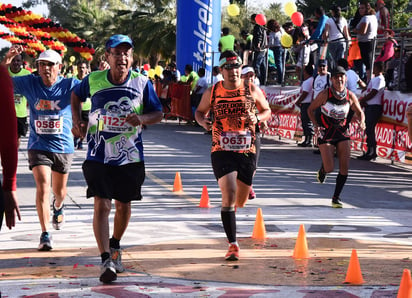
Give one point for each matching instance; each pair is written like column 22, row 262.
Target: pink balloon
column 297, row 18
column 146, row 67
column 260, row 19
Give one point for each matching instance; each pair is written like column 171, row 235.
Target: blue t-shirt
column 111, row 140
column 50, row 112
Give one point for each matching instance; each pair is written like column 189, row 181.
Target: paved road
column 174, row 248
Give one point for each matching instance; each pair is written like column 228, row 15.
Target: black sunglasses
column 231, row 66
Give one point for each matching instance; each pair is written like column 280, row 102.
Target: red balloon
column 260, row 19
column 297, row 18
column 146, row 67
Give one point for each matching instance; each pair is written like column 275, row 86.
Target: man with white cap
column 122, row 102
column 50, row 145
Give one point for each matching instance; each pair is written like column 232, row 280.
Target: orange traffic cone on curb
column 405, row 288
column 301, row 247
column 259, row 230
column 177, row 185
column 204, row 199
column 354, row 274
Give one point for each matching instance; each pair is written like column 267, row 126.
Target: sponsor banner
column 198, row 34
column 391, row 131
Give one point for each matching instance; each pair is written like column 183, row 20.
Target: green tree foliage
column 152, row 25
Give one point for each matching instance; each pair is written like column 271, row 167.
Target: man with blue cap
column 122, row 102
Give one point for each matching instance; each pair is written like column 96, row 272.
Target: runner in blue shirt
column 50, row 146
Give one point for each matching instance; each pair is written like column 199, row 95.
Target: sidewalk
column 173, row 248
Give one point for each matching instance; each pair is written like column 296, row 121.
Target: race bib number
column 235, row 140
column 49, row 124
column 114, row 124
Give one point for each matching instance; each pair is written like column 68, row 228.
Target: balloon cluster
column 297, row 20
column 291, row 11
column 36, row 32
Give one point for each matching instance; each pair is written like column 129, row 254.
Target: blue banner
column 198, row 34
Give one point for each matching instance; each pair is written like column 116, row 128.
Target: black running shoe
column 336, row 202
column 321, row 175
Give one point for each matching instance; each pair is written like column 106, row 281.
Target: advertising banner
column 391, row 131
column 198, row 34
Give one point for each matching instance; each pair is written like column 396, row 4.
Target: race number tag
column 49, row 124
column 235, row 140
column 114, row 124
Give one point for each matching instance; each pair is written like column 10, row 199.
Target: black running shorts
column 225, row 162
column 122, row 183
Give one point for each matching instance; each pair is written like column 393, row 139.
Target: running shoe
column 45, row 242
column 58, row 217
column 108, row 272
column 336, row 202
column 233, row 253
column 252, row 194
column 321, row 175
column 116, row 255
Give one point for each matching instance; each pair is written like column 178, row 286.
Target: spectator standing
column 200, row 88
column 332, row 130
column 302, row 48
column 304, row 101
column 316, row 35
column 336, row 35
column 383, row 16
column 233, row 104
column 50, row 146
column 217, row 76
column 191, row 76
column 274, row 37
column 20, row 102
column 246, row 47
column 259, row 45
column 353, row 80
column 114, row 167
column 8, row 152
column 322, row 79
column 366, row 32
column 227, row 41
column 372, row 102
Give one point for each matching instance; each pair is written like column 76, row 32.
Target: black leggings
column 366, row 51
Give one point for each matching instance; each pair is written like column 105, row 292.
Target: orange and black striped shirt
column 233, row 129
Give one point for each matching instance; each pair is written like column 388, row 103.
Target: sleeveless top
column 335, row 111
column 232, row 128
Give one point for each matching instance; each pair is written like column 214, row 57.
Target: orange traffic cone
column 259, row 230
column 405, row 288
column 204, row 199
column 177, row 185
column 354, row 274
column 301, row 247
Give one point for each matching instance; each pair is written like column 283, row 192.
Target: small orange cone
column 204, row 199
column 405, row 288
column 177, row 185
column 354, row 274
column 301, row 247
column 259, row 230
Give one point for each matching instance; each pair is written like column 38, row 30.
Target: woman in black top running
column 334, row 105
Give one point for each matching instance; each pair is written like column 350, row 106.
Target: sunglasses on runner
column 231, row 66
